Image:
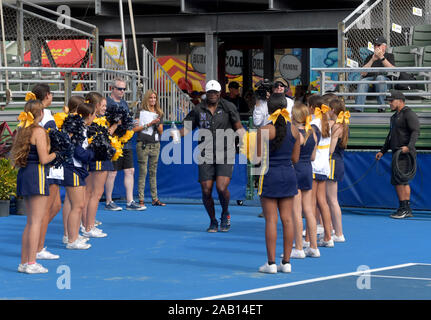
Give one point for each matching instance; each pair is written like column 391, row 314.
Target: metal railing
column 65, row 82
column 345, row 85
column 173, row 101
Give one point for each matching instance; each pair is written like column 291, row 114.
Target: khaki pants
column 148, row 156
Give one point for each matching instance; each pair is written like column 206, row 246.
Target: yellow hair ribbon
column 87, row 101
column 307, row 123
column 325, row 108
column 30, row 96
column 318, row 113
column 343, row 117
column 26, row 119
column 283, row 112
column 347, row 117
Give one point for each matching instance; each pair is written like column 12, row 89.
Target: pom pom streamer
column 62, row 146
column 113, row 115
column 74, row 125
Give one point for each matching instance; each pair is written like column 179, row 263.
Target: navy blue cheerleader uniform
column 280, row 179
column 100, row 166
column 336, row 163
column 32, row 179
column 303, row 169
column 74, row 175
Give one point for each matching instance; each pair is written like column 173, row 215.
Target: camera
column 263, row 87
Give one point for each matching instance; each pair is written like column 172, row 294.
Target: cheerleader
column 75, row 174
column 320, row 167
column 72, row 106
column 339, row 139
column 302, row 202
column 278, row 185
column 98, row 172
column 30, row 152
column 43, row 93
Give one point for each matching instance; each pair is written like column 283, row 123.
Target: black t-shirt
column 210, row 125
column 240, row 104
column 146, row 138
column 379, row 64
column 404, row 130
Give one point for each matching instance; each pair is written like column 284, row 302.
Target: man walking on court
column 216, row 119
column 403, row 134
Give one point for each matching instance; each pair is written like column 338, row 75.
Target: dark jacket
column 404, row 131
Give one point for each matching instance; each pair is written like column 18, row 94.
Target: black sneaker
column 401, row 214
column 225, row 223
column 213, row 227
column 409, row 213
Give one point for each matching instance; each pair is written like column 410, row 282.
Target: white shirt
column 321, row 161
column 54, row 173
column 260, row 112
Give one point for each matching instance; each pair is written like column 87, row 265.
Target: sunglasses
column 120, row 89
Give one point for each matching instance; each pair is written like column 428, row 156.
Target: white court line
column 285, row 285
column 398, row 277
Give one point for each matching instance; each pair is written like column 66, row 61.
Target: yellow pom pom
column 59, row 118
column 248, row 147
column 118, row 147
column 127, row 136
column 101, row 121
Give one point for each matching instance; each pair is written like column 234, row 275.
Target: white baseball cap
column 213, row 85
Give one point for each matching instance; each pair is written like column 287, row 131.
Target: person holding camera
column 148, row 146
column 264, row 90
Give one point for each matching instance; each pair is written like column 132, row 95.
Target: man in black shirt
column 380, row 58
column 403, row 134
column 216, row 119
column 234, row 96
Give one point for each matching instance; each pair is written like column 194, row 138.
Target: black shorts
column 211, row 171
column 404, row 166
column 124, row 162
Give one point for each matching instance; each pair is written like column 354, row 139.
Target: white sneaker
column 266, row 268
column 80, row 238
column 305, row 244
column 35, row 268
column 338, row 239
column 94, row 233
column 46, row 255
column 297, row 254
column 320, row 229
column 78, row 245
column 327, row 244
column 82, row 228
column 313, row 253
column 286, row 268
column 97, row 223
column 22, row 267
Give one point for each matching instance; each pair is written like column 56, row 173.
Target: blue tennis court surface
column 164, row 253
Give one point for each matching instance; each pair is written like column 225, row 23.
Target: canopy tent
column 66, row 53
column 176, row 68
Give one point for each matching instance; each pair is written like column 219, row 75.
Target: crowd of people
column 302, row 162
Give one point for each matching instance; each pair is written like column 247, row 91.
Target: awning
column 176, row 69
column 66, row 53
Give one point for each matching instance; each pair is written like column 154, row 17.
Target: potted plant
column 8, row 176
